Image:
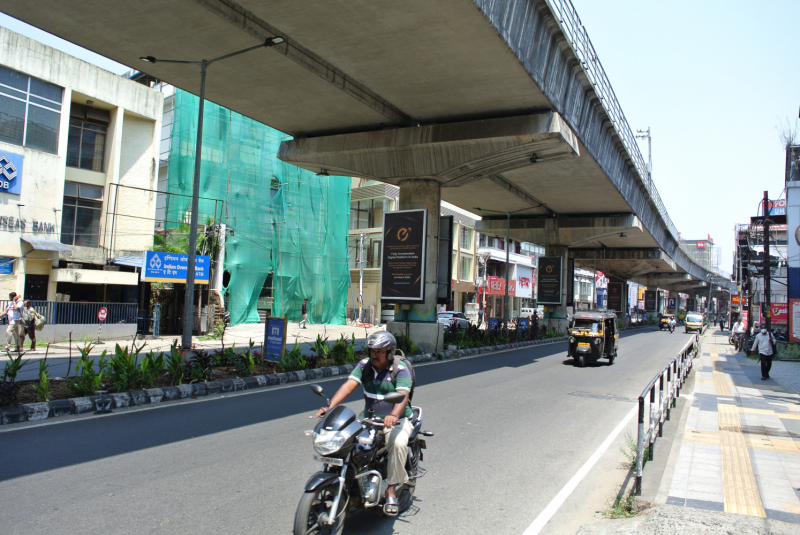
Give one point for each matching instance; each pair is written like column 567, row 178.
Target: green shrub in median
column 88, row 380
column 123, row 369
column 151, row 367
column 43, row 388
column 175, row 365
column 292, row 360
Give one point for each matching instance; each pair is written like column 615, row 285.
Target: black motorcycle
column 354, row 468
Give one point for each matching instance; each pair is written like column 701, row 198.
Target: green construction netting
column 285, row 219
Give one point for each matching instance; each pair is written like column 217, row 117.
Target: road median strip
column 31, row 412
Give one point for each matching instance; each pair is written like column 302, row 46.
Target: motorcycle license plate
column 330, row 460
column 583, row 344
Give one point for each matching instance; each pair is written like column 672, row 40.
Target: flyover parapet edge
column 549, row 40
column 31, row 412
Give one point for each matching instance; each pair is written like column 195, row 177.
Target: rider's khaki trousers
column 397, row 445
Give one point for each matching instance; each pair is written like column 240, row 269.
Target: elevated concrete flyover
column 499, row 105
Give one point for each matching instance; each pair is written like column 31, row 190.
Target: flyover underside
column 374, row 67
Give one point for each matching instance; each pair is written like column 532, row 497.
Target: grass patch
column 629, row 451
column 625, row 507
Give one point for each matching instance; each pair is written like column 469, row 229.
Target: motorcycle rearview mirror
column 394, row 398
column 320, row 392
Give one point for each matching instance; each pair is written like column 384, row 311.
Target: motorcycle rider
column 396, row 418
column 763, row 343
column 672, row 323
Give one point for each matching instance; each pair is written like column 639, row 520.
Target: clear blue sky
column 711, row 78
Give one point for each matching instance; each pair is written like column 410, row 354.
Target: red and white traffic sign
column 102, row 314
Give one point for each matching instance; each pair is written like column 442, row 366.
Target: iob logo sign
column 10, row 172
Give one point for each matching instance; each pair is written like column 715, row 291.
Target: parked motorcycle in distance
column 354, row 468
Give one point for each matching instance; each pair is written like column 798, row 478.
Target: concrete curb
column 30, row 412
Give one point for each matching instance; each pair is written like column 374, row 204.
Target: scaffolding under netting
column 284, row 220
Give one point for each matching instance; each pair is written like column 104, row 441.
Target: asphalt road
column 511, row 430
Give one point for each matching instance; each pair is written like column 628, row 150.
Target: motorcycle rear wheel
column 312, row 505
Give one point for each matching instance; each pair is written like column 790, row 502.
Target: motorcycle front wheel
column 314, row 508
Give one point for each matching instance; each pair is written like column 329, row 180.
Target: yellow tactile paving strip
column 739, row 487
column 779, row 445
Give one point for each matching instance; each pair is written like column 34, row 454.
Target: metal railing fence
column 661, row 400
column 57, row 313
column 573, row 29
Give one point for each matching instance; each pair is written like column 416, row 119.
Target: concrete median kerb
column 31, row 412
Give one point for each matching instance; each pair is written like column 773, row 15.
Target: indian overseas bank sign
column 10, row 172
column 171, row 267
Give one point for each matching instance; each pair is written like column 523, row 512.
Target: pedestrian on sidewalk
column 304, row 313
column 15, row 330
column 480, row 317
column 721, row 323
column 29, row 317
column 764, row 343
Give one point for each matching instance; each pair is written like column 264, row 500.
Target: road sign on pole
column 102, row 314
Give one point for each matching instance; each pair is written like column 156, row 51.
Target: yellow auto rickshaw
column 592, row 336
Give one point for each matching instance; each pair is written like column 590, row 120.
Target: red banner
column 497, row 286
column 701, row 245
column 780, row 313
column 735, row 299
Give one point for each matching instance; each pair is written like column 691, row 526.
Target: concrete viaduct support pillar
column 419, row 320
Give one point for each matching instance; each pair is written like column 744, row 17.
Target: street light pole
column 188, row 305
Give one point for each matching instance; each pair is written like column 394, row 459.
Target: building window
column 501, row 244
column 366, row 214
column 465, row 268
column 86, row 145
column 80, row 219
column 374, row 254
column 466, row 238
column 482, row 240
column 30, row 111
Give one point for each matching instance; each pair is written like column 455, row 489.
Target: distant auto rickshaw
column 593, row 336
column 667, row 322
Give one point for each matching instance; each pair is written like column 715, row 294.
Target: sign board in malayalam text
column 403, row 256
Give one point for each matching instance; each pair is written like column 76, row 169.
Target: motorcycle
column 354, row 468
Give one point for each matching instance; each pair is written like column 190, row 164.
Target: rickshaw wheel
column 580, row 361
column 611, row 358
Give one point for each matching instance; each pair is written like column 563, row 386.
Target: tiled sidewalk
column 741, row 446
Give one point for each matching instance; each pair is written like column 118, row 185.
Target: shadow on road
column 70, row 442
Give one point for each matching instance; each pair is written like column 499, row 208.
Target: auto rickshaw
column 695, row 321
column 592, row 336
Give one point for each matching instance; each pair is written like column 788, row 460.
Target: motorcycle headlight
column 571, row 339
column 327, row 442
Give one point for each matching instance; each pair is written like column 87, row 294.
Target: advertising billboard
column 615, row 297
column 650, row 300
column 794, row 320
column 497, row 286
column 780, row 313
column 11, row 172
column 549, row 289
column 403, row 256
column 524, row 282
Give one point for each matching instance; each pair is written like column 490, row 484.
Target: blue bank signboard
column 522, row 324
column 276, row 338
column 171, row 267
column 10, row 172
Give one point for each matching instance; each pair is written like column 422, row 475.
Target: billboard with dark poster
column 650, row 300
column 691, row 304
column 403, row 256
column 617, row 300
column 549, row 287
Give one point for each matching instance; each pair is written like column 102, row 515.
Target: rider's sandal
column 390, row 508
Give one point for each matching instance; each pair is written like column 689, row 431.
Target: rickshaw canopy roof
column 595, row 316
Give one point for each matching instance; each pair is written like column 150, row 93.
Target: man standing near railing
column 15, row 325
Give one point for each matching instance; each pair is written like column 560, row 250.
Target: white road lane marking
column 554, row 505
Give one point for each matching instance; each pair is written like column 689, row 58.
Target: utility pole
column 750, row 284
column 767, row 297
column 361, row 277
column 506, row 314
